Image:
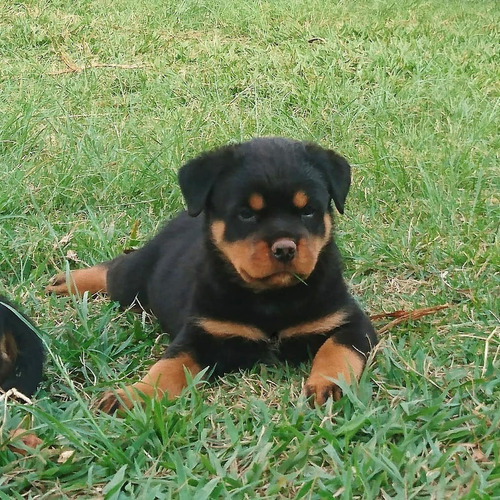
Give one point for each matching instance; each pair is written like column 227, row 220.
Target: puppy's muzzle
column 284, row 250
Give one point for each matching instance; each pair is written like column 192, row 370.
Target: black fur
column 182, row 275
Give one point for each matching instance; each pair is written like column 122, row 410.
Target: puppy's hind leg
column 92, row 280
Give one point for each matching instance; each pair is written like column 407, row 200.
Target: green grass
column 408, row 91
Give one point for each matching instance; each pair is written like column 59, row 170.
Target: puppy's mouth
column 279, row 279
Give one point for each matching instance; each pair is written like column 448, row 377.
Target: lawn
column 102, row 101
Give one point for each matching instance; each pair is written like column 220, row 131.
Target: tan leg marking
column 226, row 329
column 332, row 360
column 90, row 280
column 322, row 325
column 165, row 376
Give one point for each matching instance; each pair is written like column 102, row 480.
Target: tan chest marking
column 319, row 326
column 228, row 329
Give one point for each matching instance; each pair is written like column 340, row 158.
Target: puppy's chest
column 275, row 321
column 274, row 324
column 273, row 317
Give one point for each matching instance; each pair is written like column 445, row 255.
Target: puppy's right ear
column 335, row 170
column 198, row 176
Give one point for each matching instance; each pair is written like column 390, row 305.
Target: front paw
column 113, row 401
column 318, row 389
column 332, row 362
column 58, row 285
column 92, row 280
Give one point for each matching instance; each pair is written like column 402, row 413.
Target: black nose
column 284, row 250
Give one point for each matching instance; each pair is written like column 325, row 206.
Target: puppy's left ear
column 197, row 176
column 335, row 170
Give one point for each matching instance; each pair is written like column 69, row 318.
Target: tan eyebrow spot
column 300, row 199
column 256, row 202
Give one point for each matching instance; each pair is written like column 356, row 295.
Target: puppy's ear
column 197, row 176
column 335, row 170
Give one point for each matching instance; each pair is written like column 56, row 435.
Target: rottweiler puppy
column 250, row 273
column 21, row 351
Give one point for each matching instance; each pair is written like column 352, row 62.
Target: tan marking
column 218, row 228
column 327, row 221
column 8, row 346
column 256, row 202
column 8, row 355
column 227, row 329
column 92, row 280
column 300, row 199
column 332, row 360
column 253, row 261
column 322, row 325
column 164, row 377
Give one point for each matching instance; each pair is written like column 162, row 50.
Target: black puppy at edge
column 21, row 351
column 249, row 274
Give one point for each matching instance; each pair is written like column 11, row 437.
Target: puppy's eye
column 307, row 212
column 247, row 215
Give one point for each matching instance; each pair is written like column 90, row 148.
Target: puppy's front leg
column 332, row 361
column 343, row 354
column 204, row 342
column 166, row 376
column 92, row 280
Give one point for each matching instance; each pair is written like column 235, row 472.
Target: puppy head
column 267, row 202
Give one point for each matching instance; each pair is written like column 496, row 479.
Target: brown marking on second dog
column 8, row 355
column 300, row 199
column 318, row 326
column 332, row 360
column 226, row 329
column 165, row 376
column 253, row 260
column 92, row 280
column 256, row 202
column 26, row 437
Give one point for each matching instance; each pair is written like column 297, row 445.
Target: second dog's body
column 21, row 351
